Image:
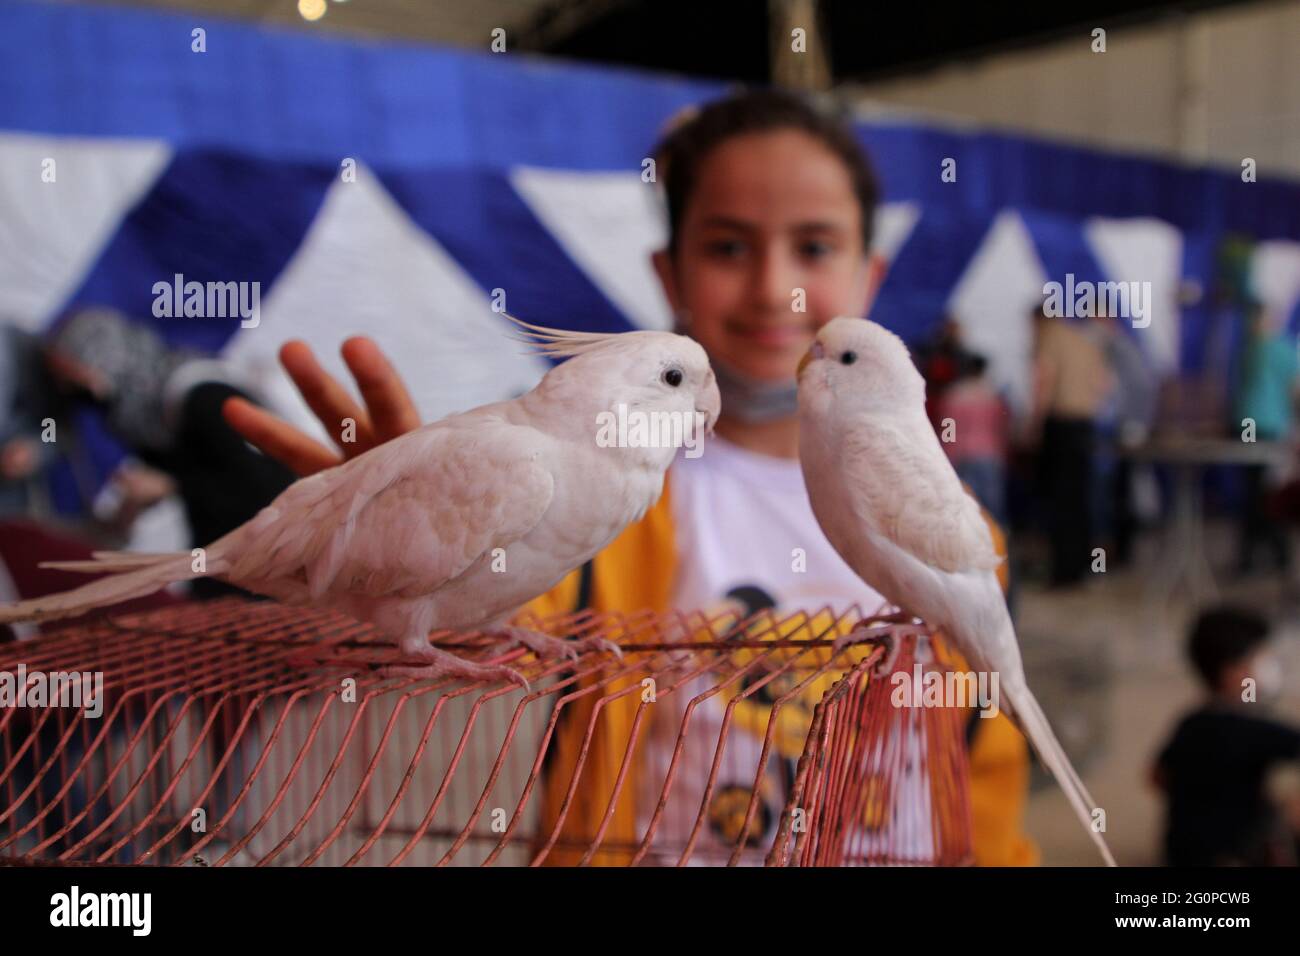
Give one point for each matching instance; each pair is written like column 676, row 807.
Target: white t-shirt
column 739, row 517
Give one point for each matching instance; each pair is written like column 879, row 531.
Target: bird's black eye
column 673, row 377
column 849, row 357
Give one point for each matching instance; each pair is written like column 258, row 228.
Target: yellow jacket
column 636, row 571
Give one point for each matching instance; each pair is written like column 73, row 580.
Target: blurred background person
column 942, row 360
column 37, row 404
column 38, row 429
column 1265, row 396
column 164, row 404
column 1131, row 415
column 1214, row 769
column 978, row 448
column 28, row 398
column 1072, row 382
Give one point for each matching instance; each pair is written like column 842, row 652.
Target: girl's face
column 769, row 250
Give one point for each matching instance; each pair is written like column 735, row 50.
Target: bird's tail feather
column 1024, row 707
column 137, row 576
column 134, row 557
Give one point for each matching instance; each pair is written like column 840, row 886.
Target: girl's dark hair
column 684, row 148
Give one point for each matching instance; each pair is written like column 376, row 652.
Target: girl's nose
column 773, row 283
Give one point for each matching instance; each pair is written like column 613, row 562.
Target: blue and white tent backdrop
column 478, row 172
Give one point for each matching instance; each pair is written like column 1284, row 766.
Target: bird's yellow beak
column 814, row 351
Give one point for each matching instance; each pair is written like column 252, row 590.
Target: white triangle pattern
column 365, row 268
column 1275, row 277
column 52, row 232
column 607, row 223
column 1147, row 251
column 992, row 303
column 893, row 227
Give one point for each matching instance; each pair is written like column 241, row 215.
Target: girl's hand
column 389, row 411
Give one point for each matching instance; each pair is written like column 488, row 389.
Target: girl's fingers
column 326, row 397
column 280, row 440
column 392, row 412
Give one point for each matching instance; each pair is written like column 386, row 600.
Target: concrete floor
column 1106, row 660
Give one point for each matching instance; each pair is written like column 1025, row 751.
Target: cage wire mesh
column 249, row 733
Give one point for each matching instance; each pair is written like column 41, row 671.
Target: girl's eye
column 815, row 249
column 673, row 377
column 848, row 358
column 726, row 248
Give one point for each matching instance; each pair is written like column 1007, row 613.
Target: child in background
column 1214, row 768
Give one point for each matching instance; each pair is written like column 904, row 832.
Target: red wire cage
column 238, row 732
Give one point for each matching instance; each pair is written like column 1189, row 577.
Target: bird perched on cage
column 890, row 503
column 458, row 523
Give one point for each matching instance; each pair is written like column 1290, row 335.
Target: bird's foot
column 890, row 638
column 544, row 645
column 446, row 664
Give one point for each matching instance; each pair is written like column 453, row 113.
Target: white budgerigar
column 889, row 501
column 458, row 523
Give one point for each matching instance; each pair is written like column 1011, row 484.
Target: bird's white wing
column 403, row 519
column 903, row 487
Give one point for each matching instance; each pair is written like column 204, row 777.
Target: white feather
column 406, row 535
column 890, row 503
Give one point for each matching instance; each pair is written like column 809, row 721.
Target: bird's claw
column 444, row 664
column 601, row 643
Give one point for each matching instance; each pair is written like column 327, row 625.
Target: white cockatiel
column 890, row 503
column 458, row 523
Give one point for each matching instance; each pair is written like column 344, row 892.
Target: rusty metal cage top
column 238, row 732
